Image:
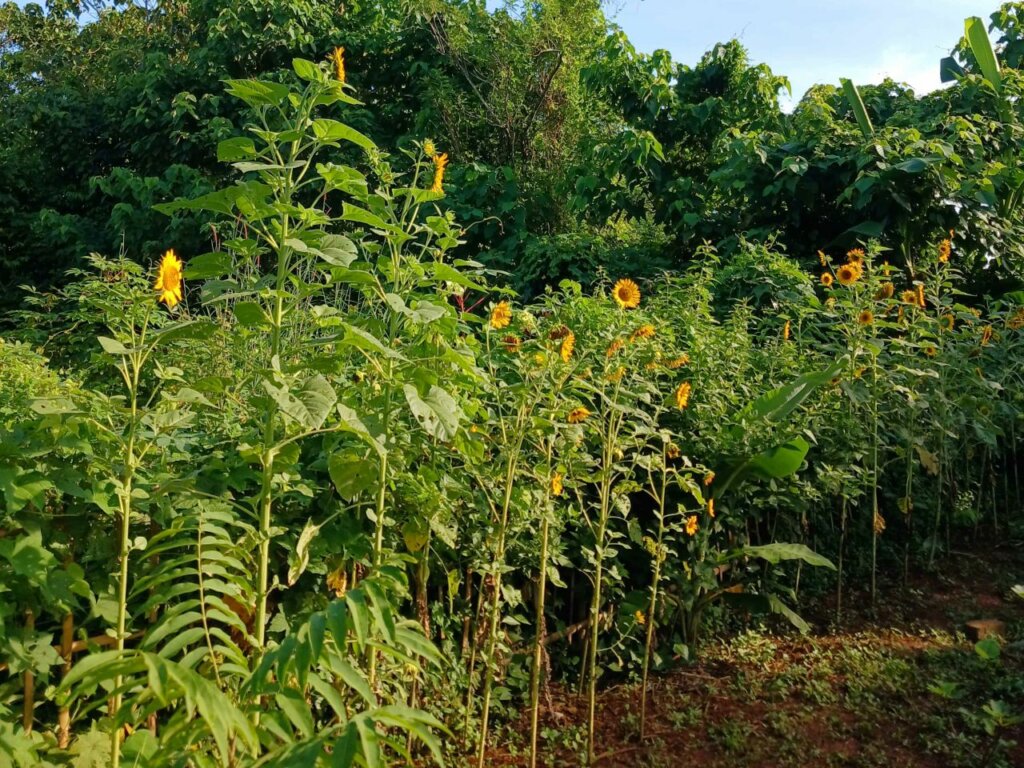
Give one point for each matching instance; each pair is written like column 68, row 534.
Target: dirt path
column 901, row 688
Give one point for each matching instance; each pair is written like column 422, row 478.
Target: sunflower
column 672, row 451
column 930, row 350
column 616, row 376
column 337, row 581
column 709, row 478
column 945, row 249
column 986, row 335
column 879, row 524
column 827, row 280
column 440, row 163
column 848, row 274
column 866, row 317
column 683, row 395
column 885, row 291
column 691, row 525
column 337, row 58
column 568, row 345
column 711, row 507
column 512, row 343
column 645, row 331
column 556, row 484
column 168, row 280
column 1017, row 321
column 785, row 331
column 614, row 347
column 822, row 258
column 578, row 415
column 429, row 148
column 947, row 322
column 679, row 362
column 920, row 295
column 908, row 297
column 855, row 256
column 641, row 619
column 501, row 315
column 626, row 294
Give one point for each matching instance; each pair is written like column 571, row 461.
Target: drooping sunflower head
column 945, row 249
column 614, row 347
column 691, row 525
column 337, row 581
column 683, row 395
column 578, row 415
column 879, row 524
column 822, row 258
column 626, row 294
column 337, row 57
column 785, row 331
column 440, row 163
column 512, row 343
column 556, row 484
column 827, row 280
column 645, row 331
column 885, row 291
column 672, row 451
column 168, row 280
column 1016, row 321
column 930, row 350
column 679, row 362
column 501, row 315
column 848, row 274
column 616, row 376
column 709, row 478
column 866, row 317
column 711, row 507
column 920, row 296
column 986, row 335
column 568, row 345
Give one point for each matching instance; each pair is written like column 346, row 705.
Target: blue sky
column 810, row 41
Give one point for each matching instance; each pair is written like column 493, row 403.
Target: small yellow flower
column 711, row 507
column 168, row 280
column 885, row 291
column 440, row 163
column 848, row 274
column 568, row 345
column 578, row 415
column 641, row 619
column 709, row 478
column 337, row 58
column 827, row 280
column 691, row 525
column 945, row 249
column 626, row 294
column 866, row 317
column 645, row 331
column 540, row 358
column 556, row 484
column 683, row 395
column 501, row 315
column 429, row 148
column 785, row 331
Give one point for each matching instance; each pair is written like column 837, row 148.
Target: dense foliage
column 291, row 474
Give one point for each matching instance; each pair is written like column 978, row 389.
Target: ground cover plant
column 295, row 475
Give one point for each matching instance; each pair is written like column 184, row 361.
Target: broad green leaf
column 437, row 412
column 250, row 314
column 332, row 130
column 857, row 106
column 258, row 93
column 307, row 70
column 776, row 553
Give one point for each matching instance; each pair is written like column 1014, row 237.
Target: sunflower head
column 679, row 362
column 822, row 258
column 827, row 280
column 930, row 350
column 440, row 163
column 626, row 294
column 879, row 524
column 645, row 331
column 866, row 317
column 709, row 478
column 785, row 331
column 672, row 451
column 947, row 322
column 691, row 525
column 711, row 507
column 683, row 395
column 556, row 484
column 908, row 297
column 945, row 249
column 429, row 148
column 848, row 274
column 337, row 57
column 855, row 256
column 641, row 619
column 986, row 335
column 578, row 415
column 512, row 343
column 920, row 295
column 885, row 291
column 614, row 347
column 568, row 345
column 168, row 280
column 501, row 315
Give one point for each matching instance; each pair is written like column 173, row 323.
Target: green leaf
column 332, row 130
column 258, row 93
column 352, row 473
column 776, row 553
column 437, row 412
column 310, row 405
column 295, row 708
column 981, row 47
column 238, row 148
column 857, row 106
column 307, row 70
column 781, row 460
column 112, row 346
column 301, row 556
column 250, row 314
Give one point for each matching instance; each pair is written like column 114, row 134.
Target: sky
column 810, row 41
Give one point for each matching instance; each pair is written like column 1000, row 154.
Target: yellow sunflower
column 679, row 362
column 709, row 478
column 641, row 619
column 879, row 524
column 848, row 274
column 556, row 484
column 908, row 297
column 683, row 395
column 429, row 148
column 337, row 58
column 930, row 350
column 945, row 249
column 512, row 343
column 672, row 452
column 885, row 291
column 827, row 280
column 626, row 294
column 822, row 258
column 920, row 295
column 337, row 582
column 440, row 163
column 691, row 525
column 711, row 507
column 614, row 347
column 986, row 335
column 866, row 317
column 568, row 345
column 947, row 323
column 785, row 331
column 168, row 280
column 578, row 415
column 501, row 315
column 645, row 331
column 855, row 256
